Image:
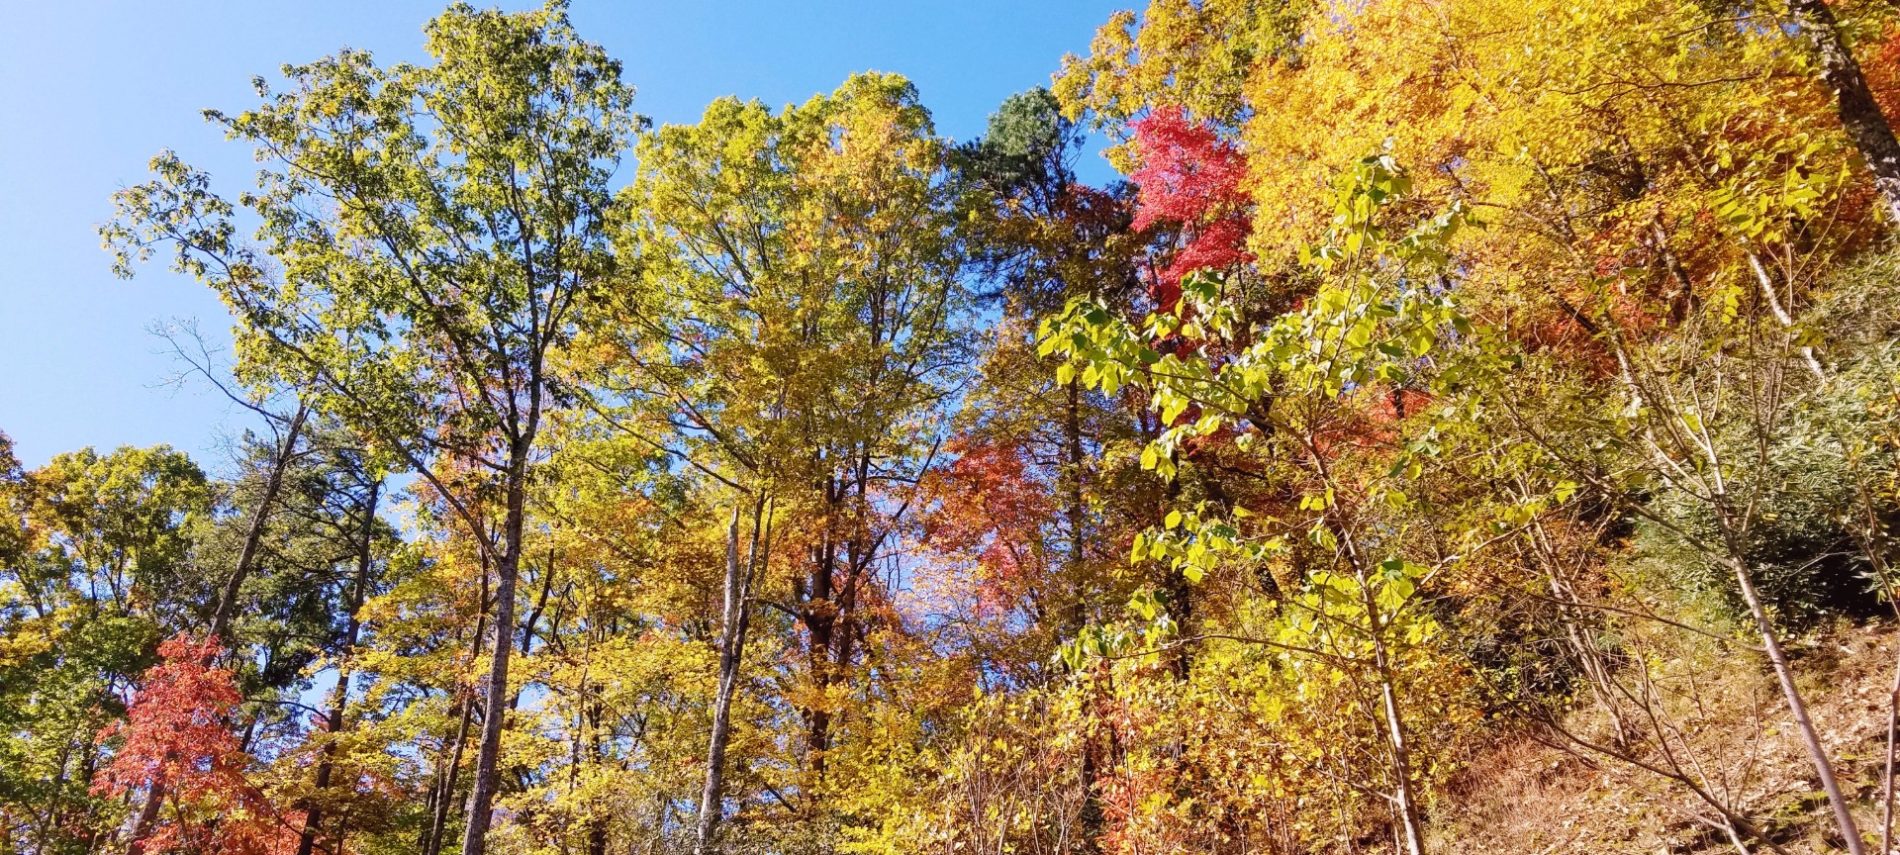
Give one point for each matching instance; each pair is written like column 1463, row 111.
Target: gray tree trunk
column 481, row 802
column 1860, row 114
column 731, row 653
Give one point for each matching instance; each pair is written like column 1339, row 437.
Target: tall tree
column 1866, row 125
column 1042, row 237
column 798, row 318
column 428, row 235
column 285, row 416
column 349, row 495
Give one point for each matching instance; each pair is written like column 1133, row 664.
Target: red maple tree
column 179, row 759
column 989, row 514
column 1192, row 178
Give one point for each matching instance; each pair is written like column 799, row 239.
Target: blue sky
column 92, row 88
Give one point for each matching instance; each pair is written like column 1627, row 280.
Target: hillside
column 1530, row 795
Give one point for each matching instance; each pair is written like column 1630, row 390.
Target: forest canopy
column 1440, row 384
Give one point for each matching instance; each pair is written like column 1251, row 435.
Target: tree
column 795, row 320
column 101, row 560
column 823, row 485
column 284, row 449
column 349, row 499
column 177, row 748
column 1291, row 392
column 1870, row 129
column 1042, row 237
column 1694, row 409
column 429, row 234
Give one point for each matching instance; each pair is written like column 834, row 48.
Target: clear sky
column 91, row 89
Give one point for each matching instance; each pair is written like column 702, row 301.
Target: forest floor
column 1526, row 796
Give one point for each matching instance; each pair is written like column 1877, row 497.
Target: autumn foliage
column 1437, row 383
column 1190, row 179
column 987, row 512
column 176, row 749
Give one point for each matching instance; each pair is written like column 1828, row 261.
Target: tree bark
column 1093, row 818
column 1398, row 741
column 439, row 820
column 142, row 824
column 1886, row 787
column 1076, row 510
column 1810, row 739
column 495, row 703
column 1772, row 298
column 437, row 831
column 731, row 652
column 820, row 616
column 1860, row 114
column 1405, row 801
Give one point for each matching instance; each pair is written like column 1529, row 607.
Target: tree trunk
column 1405, row 801
column 1886, row 788
column 1092, row 818
column 1810, row 739
column 142, row 825
column 495, row 703
column 436, row 833
column 1076, row 510
column 1860, row 114
column 439, row 821
column 340, row 696
column 597, row 837
column 731, row 652
column 820, row 616
column 260, row 517
column 1772, row 298
column 1398, row 741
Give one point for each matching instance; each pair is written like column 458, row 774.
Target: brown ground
column 1523, row 796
